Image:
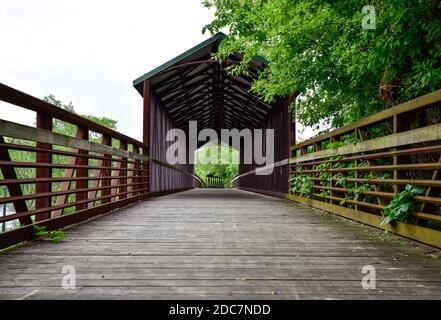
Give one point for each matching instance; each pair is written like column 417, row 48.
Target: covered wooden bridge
column 137, row 226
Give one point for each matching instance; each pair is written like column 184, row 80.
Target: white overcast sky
column 90, row 51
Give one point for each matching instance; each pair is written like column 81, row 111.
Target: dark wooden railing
column 66, row 179
column 355, row 173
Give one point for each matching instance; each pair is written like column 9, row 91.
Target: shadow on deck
column 221, row 244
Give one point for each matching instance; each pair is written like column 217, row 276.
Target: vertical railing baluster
column 401, row 122
column 145, row 166
column 106, row 172
column 116, row 165
column 358, row 135
column 82, row 133
column 123, row 173
column 136, row 174
column 96, row 173
column 5, row 194
column 44, row 121
column 395, row 130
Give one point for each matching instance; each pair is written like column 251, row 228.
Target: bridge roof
column 193, row 86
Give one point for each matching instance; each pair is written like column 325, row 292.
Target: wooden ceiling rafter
column 179, row 103
column 184, row 115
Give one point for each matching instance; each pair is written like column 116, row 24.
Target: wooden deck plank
column 222, row 244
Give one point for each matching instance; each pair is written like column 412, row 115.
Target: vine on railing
column 56, row 235
column 402, row 205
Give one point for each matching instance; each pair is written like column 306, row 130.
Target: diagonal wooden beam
column 97, row 173
column 44, row 121
column 82, row 133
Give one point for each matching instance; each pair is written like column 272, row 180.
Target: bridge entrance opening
column 216, row 164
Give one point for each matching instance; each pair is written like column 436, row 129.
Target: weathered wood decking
column 221, row 244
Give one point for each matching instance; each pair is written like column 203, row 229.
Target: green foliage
column 70, row 129
column 340, row 180
column 344, row 141
column 402, row 205
column 318, row 49
column 56, row 235
column 434, row 225
column 301, row 183
column 357, row 191
column 323, row 167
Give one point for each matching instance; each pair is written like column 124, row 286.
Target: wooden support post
column 291, row 134
column 131, row 175
column 331, row 192
column 44, row 121
column 107, row 140
column 82, row 133
column 145, row 166
column 358, row 136
column 291, row 124
column 146, row 129
column 395, row 130
column 146, row 113
column 136, row 174
column 96, row 173
column 123, row 173
column 400, row 123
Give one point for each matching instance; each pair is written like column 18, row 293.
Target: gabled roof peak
column 218, row 37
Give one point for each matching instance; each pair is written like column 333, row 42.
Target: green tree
column 319, row 50
column 70, row 129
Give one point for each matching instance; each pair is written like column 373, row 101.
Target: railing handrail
column 420, row 135
column 26, row 101
column 359, row 177
column 263, row 169
column 20, row 131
